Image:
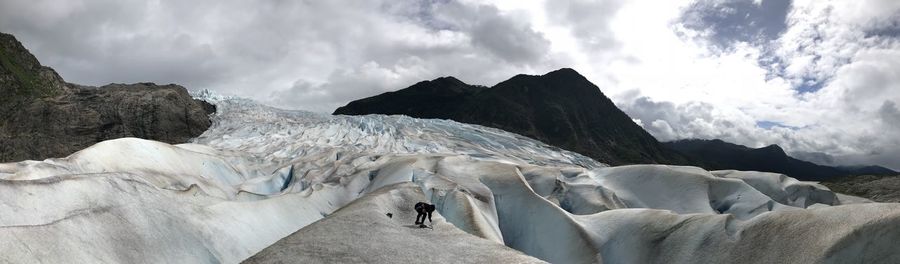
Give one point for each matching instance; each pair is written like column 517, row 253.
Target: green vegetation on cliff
column 23, row 81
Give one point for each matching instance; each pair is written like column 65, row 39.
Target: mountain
column 268, row 185
column 719, row 155
column 563, row 109
column 44, row 116
column 560, row 108
column 867, row 170
column 828, row 160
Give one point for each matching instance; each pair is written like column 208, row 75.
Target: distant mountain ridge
column 717, row 154
column 44, row 116
column 561, row 108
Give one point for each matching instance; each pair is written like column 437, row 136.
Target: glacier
column 267, row 185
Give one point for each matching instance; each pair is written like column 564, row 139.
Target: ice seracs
column 261, row 182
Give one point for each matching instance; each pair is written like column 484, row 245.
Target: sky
column 821, row 78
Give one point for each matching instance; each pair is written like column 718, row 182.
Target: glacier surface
column 267, row 185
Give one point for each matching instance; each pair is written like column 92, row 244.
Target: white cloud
column 823, row 43
column 678, row 84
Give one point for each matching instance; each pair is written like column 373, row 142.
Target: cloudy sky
column 820, row 78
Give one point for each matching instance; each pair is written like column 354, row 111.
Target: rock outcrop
column 43, row 116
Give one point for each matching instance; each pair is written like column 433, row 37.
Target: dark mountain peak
column 520, row 78
column 561, row 75
column 697, row 143
column 427, row 98
column 564, row 84
column 716, row 154
column 449, row 80
column 441, row 85
column 716, row 141
column 694, row 143
column 15, row 52
column 560, row 108
column 773, row 149
column 571, row 78
column 565, row 73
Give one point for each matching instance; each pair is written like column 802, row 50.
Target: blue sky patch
column 765, row 124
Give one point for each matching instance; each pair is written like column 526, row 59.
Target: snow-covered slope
column 258, row 175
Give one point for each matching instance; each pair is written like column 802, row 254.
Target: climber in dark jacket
column 423, row 209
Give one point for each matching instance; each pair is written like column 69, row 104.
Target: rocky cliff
column 43, row 116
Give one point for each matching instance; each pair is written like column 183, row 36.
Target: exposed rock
column 876, row 188
column 22, row 78
column 43, row 116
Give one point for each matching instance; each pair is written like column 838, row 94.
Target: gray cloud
column 669, row 121
column 511, row 40
column 338, row 50
column 589, row 21
column 889, row 114
column 473, row 42
column 87, row 43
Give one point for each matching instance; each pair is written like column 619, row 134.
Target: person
column 423, row 209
